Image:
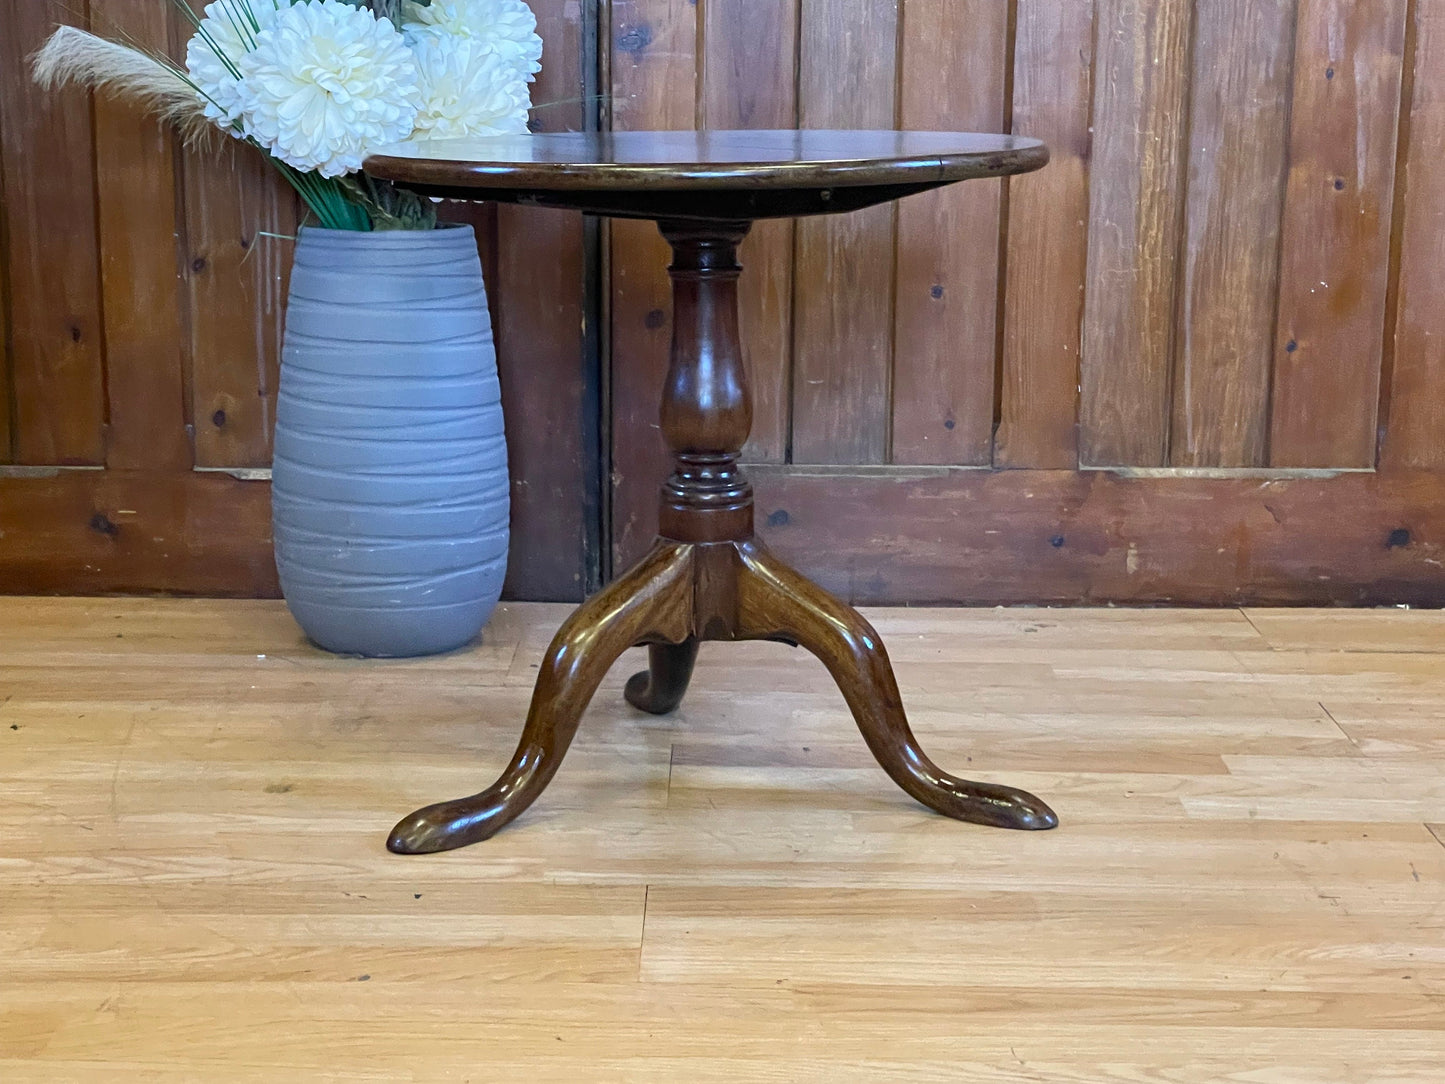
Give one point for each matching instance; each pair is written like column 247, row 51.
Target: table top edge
column 1012, row 155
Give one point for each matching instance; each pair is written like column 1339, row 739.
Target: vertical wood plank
column 7, row 399
column 1334, row 264
column 544, row 395
column 953, row 67
column 843, row 330
column 748, row 80
column 654, row 87
column 1237, row 138
column 48, row 159
column 1415, row 437
column 236, row 283
column 1135, row 202
column 540, row 351
column 1048, row 234
column 140, row 276
column 237, row 280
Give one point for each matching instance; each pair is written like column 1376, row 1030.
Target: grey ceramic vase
column 390, row 491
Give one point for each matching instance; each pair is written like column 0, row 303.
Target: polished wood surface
column 1245, row 885
column 653, row 601
column 707, row 578
column 780, row 158
column 739, row 176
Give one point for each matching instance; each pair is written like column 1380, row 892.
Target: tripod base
column 679, row 595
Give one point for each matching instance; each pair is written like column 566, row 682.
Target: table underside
column 691, row 204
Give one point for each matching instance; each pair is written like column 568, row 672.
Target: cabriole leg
column 660, row 688
column 774, row 601
column 653, row 601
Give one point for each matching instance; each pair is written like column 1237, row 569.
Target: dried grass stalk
column 74, row 56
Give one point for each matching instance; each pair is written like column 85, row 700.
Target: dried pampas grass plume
column 75, row 56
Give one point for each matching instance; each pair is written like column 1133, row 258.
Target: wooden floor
column 1249, row 883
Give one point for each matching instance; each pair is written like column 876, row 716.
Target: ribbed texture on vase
column 390, row 490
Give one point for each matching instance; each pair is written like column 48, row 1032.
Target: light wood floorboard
column 1248, row 884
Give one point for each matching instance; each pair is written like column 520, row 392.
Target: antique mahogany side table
column 707, row 577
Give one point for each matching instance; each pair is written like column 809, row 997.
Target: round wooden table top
column 714, row 174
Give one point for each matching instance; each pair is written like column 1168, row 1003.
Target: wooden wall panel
column 1048, row 232
column 1415, row 435
column 550, row 392
column 654, row 77
column 949, row 537
column 843, row 329
column 7, row 399
column 1335, row 262
column 237, row 278
column 57, row 367
column 1239, row 114
column 136, row 532
column 749, row 80
column 952, row 75
column 141, row 287
column 1136, row 199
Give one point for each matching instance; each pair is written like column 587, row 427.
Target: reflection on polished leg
column 774, row 601
column 653, row 602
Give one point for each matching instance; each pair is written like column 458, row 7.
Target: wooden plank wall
column 1232, row 262
column 142, row 295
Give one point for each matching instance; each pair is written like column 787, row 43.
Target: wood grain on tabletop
column 1245, row 885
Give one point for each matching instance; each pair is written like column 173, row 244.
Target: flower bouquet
column 315, row 85
column 390, row 493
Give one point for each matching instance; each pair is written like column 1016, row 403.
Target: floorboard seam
column 642, row 940
column 1348, row 736
column 1245, row 614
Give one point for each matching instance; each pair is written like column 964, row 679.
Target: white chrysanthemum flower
column 227, row 32
column 467, row 90
column 325, row 84
column 506, row 27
